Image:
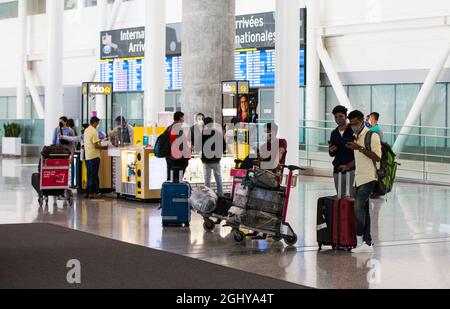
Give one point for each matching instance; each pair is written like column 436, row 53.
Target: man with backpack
column 173, row 145
column 368, row 154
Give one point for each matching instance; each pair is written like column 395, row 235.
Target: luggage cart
column 281, row 230
column 53, row 178
column 211, row 220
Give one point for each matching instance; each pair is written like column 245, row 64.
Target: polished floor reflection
column 411, row 229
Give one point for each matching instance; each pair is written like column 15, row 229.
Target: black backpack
column 162, row 146
column 388, row 167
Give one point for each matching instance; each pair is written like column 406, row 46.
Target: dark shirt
column 343, row 155
column 217, row 155
column 196, row 133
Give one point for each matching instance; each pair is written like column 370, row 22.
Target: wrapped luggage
column 203, row 200
column 262, row 220
column 266, row 201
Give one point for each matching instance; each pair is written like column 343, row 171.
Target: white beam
column 312, row 63
column 333, row 75
column 38, row 106
column 155, row 52
column 287, row 91
column 54, row 98
column 108, row 24
column 21, row 83
column 421, row 100
column 115, row 12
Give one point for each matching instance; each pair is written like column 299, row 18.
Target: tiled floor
column 411, row 229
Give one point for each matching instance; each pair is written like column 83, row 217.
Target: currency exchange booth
column 96, row 100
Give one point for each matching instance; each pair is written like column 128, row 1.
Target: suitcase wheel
column 209, row 225
column 239, row 236
column 334, row 248
column 291, row 240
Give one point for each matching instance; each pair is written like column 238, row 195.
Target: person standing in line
column 344, row 158
column 212, row 152
column 125, row 131
column 367, row 163
column 196, row 133
column 92, row 153
column 374, row 126
column 180, row 152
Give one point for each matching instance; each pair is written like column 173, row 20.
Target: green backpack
column 388, row 167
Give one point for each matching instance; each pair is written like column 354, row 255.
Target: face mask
column 356, row 129
column 341, row 122
column 200, row 122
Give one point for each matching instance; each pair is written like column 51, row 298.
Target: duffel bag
column 263, row 179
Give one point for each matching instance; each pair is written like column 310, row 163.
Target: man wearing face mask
column 344, row 158
column 365, row 179
column 196, row 133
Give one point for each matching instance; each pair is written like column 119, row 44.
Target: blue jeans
column 362, row 211
column 93, row 182
column 208, row 168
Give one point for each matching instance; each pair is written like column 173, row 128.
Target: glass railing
column 425, row 155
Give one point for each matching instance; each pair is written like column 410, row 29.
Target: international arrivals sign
column 252, row 31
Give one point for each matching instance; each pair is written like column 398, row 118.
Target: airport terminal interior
column 125, row 71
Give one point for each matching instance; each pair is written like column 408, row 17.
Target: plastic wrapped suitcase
column 175, row 203
column 267, row 201
column 262, row 220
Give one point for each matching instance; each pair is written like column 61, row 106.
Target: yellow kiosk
column 139, row 174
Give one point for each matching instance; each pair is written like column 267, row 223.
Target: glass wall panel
column 12, row 112
column 383, row 102
column 433, row 115
column 360, row 97
column 405, row 98
column 3, row 108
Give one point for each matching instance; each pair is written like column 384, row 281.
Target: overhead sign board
column 235, row 87
column 97, row 88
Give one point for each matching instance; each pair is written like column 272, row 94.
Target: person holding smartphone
column 344, row 158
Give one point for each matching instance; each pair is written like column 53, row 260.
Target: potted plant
column 12, row 143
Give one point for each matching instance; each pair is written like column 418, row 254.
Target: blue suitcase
column 175, row 204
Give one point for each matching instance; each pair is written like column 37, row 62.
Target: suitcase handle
column 347, row 185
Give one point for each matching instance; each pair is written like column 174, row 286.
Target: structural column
column 54, row 97
column 155, row 53
column 312, row 72
column 287, row 86
column 21, row 81
column 208, row 55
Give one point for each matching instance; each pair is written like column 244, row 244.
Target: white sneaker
column 359, row 241
column 364, row 248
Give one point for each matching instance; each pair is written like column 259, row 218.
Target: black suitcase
column 36, row 182
column 223, row 206
column 325, row 221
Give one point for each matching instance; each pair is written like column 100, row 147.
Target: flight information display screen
column 257, row 66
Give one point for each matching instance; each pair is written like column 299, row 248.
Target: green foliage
column 12, row 130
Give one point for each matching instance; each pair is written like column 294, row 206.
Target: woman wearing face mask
column 344, row 158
